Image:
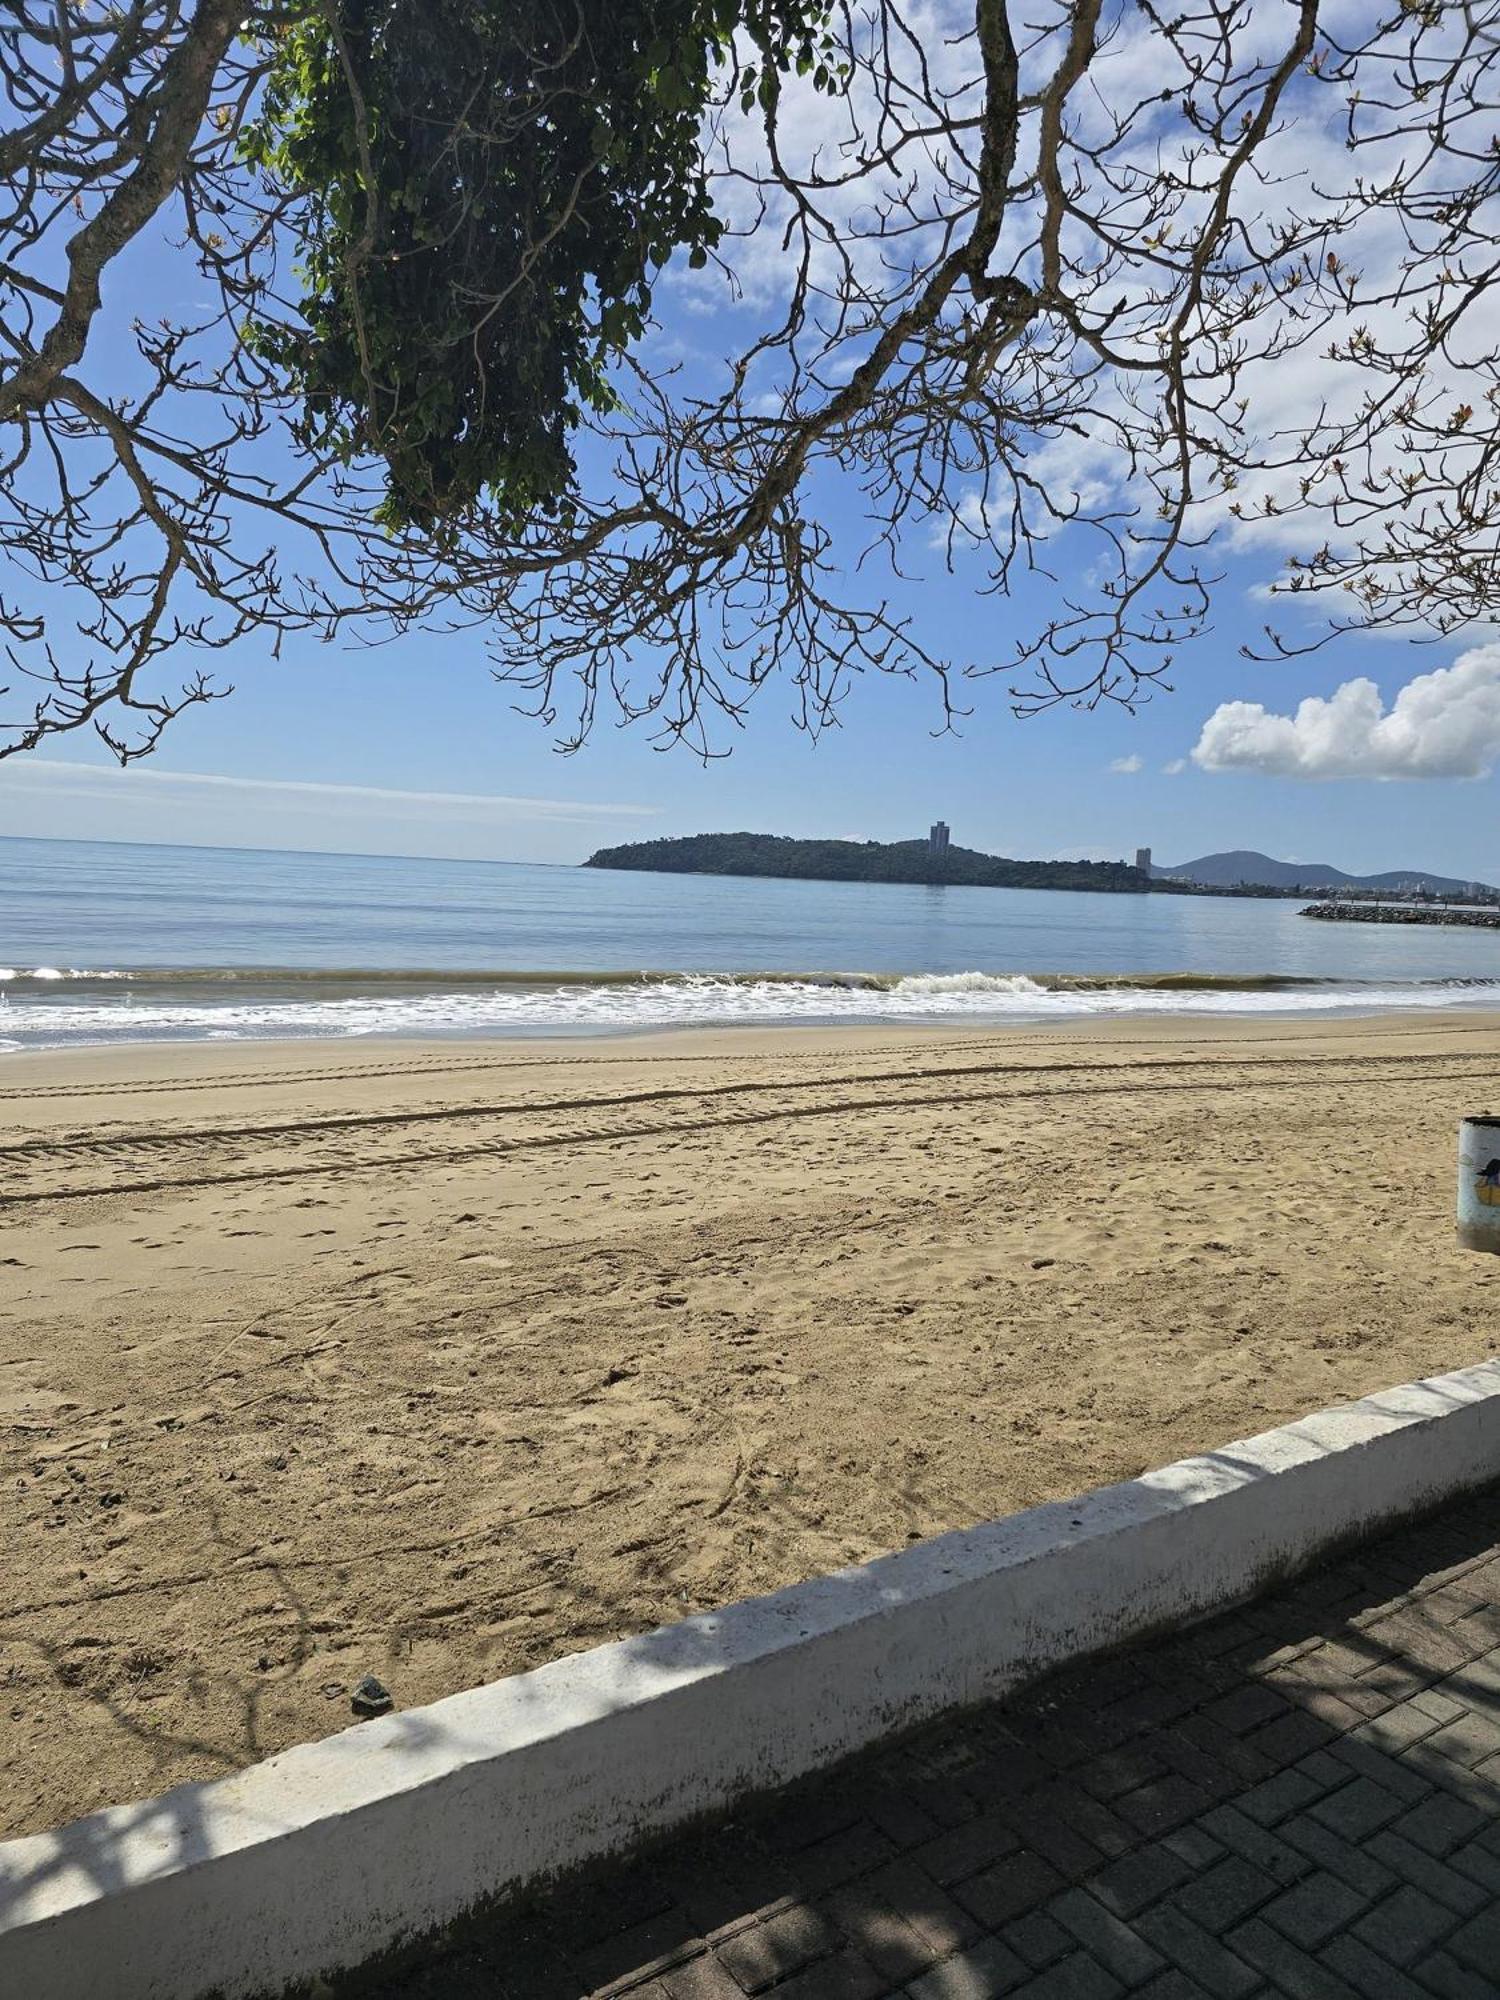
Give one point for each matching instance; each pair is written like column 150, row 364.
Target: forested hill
column 860, row 861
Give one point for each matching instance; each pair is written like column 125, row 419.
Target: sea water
column 105, row 942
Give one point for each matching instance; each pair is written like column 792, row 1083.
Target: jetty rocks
column 1405, row 913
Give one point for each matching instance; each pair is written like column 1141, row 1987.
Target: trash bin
column 1479, row 1184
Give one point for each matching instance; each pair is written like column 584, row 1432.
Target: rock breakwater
column 1404, row 913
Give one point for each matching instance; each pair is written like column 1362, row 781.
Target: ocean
column 103, row 942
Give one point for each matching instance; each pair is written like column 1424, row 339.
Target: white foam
column 692, row 1000
column 10, row 973
column 998, row 985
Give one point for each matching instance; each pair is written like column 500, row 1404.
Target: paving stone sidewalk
column 1299, row 1799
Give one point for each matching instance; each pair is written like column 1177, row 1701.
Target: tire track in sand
column 380, row 1142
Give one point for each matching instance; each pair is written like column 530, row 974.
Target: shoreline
column 1078, row 1002
column 437, row 1359
column 744, row 1039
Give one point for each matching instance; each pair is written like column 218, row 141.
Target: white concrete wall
column 334, row 1851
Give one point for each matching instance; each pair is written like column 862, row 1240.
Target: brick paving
column 1301, row 1799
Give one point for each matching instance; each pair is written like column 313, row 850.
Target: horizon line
column 309, row 853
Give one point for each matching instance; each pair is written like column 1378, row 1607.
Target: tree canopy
column 487, row 189
column 1084, row 293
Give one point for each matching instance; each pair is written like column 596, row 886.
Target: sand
column 440, row 1361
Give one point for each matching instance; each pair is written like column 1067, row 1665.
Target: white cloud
column 54, row 799
column 58, row 778
column 1176, row 768
column 1128, row 766
column 889, row 204
column 1445, row 724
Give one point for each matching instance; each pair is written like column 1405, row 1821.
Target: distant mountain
column 1241, row 866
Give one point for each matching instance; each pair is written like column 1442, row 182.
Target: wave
column 47, row 973
column 47, row 1006
column 147, row 978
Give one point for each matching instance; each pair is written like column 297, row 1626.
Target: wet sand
column 437, row 1361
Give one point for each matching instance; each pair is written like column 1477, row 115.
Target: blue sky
column 422, row 717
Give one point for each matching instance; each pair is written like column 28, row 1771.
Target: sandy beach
column 438, row 1361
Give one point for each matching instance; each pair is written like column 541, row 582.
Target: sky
column 414, row 750
column 1371, row 754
